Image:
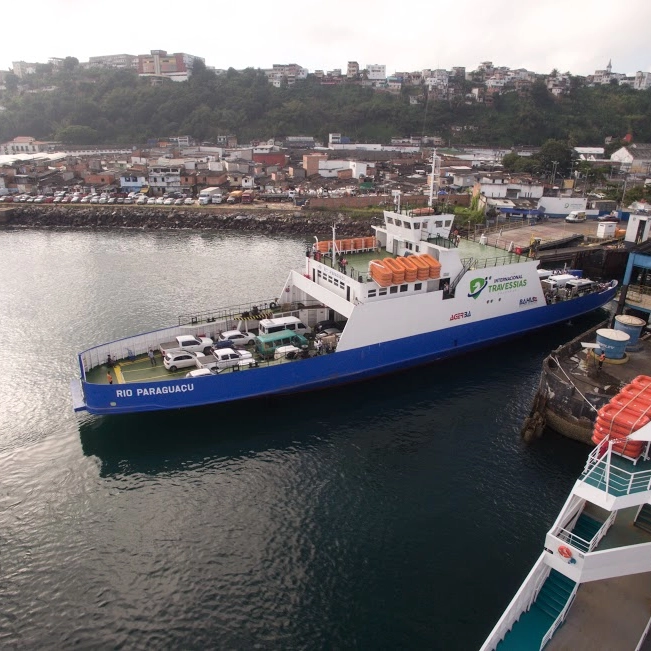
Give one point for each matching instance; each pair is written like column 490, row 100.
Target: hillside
column 100, row 106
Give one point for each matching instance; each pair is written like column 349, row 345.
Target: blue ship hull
column 331, row 370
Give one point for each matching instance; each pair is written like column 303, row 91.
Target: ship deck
column 140, row 369
column 483, row 255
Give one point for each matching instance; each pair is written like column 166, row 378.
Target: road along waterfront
column 403, row 512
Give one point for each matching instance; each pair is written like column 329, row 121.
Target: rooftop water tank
column 632, row 326
column 612, row 342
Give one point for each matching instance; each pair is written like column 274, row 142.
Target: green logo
column 477, row 286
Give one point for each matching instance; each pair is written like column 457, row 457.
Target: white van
column 576, row 216
column 269, row 326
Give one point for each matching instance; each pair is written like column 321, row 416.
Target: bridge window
column 418, row 287
column 383, row 291
column 404, row 288
column 398, row 222
column 371, row 293
column 393, row 289
column 389, row 220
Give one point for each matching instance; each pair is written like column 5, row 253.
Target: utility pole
column 555, row 164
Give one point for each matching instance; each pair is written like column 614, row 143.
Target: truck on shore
column 235, row 197
column 207, row 195
column 248, row 196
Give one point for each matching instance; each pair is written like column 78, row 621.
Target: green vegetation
column 104, row 106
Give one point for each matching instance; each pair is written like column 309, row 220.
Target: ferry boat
column 413, row 293
column 590, row 588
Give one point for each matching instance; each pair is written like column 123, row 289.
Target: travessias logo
column 477, row 286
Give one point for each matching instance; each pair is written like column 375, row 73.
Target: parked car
column 176, row 359
column 178, row 202
column 151, row 201
column 188, row 202
column 576, row 216
column 168, row 202
column 611, row 217
column 160, row 200
column 140, row 201
column 75, row 199
column 237, row 338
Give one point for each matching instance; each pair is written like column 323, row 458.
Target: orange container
column 434, row 265
column 640, row 382
column 623, row 446
column 323, row 246
column 369, row 242
column 358, row 243
column 623, row 417
column 397, row 270
column 380, row 274
column 421, row 266
column 411, row 270
column 639, row 403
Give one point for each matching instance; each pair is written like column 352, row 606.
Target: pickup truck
column 226, row 358
column 189, row 343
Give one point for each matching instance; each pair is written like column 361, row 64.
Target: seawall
column 270, row 221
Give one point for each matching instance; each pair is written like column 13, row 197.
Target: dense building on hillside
column 22, row 68
column 376, row 72
column 158, row 63
column 288, row 73
column 642, row 80
column 114, row 61
column 352, row 69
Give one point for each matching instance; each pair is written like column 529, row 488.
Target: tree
column 11, row 82
column 78, row 135
column 70, row 63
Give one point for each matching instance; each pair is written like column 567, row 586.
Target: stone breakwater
column 291, row 222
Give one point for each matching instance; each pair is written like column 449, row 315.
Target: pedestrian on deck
column 602, row 357
column 152, row 359
column 109, row 378
column 318, row 345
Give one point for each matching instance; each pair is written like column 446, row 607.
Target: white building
column 376, row 72
column 165, row 179
column 642, row 80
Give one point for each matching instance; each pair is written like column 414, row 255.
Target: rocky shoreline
column 151, row 218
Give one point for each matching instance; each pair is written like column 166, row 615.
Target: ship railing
column 242, row 311
column 226, row 313
column 583, row 545
column 468, row 263
column 560, row 619
column 509, row 258
column 360, row 276
column 521, row 603
column 612, row 479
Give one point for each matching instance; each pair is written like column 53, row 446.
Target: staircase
column 643, row 520
column 529, row 630
column 585, row 528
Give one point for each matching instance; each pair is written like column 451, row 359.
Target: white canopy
column 643, row 434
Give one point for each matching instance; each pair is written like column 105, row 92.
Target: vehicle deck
column 140, row 369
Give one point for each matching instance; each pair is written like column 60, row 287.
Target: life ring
column 273, row 305
column 565, row 552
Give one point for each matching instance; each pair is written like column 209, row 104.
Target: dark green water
column 400, row 513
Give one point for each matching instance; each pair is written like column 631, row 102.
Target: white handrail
column 559, row 620
column 520, row 603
